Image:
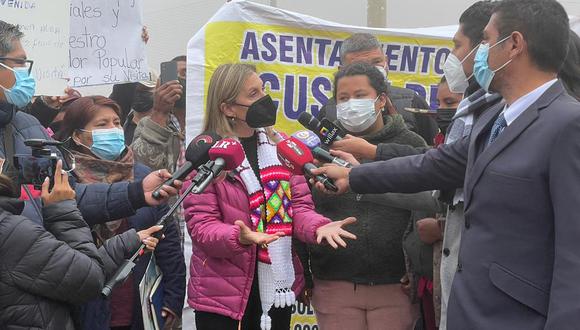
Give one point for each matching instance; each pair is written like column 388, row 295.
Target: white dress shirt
column 512, row 112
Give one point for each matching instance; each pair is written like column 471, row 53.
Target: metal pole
column 377, row 13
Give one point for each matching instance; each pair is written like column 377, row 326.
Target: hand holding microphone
column 196, row 155
column 298, row 158
column 356, row 146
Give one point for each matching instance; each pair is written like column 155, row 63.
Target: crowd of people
column 459, row 218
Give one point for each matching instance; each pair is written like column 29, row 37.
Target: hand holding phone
column 168, row 72
column 61, row 191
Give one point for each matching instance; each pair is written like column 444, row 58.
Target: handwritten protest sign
column 45, row 26
column 105, row 42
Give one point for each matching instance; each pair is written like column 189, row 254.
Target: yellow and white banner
column 296, row 56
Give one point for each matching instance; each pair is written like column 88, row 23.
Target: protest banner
column 105, row 42
column 297, row 55
column 45, row 27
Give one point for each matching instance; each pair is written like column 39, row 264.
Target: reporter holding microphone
column 243, row 271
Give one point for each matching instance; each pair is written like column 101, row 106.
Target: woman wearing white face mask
column 359, row 287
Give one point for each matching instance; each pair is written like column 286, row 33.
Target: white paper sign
column 105, row 42
column 45, row 26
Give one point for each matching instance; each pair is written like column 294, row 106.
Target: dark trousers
column 252, row 315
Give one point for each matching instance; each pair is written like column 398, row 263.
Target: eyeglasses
column 19, row 62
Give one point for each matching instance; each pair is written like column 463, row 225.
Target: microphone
column 312, row 141
column 309, row 121
column 298, row 158
column 226, row 154
column 326, row 130
column 196, row 155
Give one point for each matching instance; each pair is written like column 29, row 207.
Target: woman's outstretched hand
column 333, row 233
column 249, row 237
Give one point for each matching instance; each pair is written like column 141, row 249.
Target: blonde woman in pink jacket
column 243, row 269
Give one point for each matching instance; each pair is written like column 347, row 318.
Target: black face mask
column 444, row 118
column 261, row 113
column 181, row 102
column 143, row 101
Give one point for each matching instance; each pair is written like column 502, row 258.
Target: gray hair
column 8, row 34
column 358, row 42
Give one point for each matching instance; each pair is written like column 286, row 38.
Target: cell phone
column 168, row 72
column 34, row 170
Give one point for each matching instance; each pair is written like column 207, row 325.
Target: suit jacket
column 519, row 261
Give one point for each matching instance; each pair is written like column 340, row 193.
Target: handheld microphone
column 298, row 158
column 196, row 155
column 309, row 121
column 226, row 154
column 312, row 141
column 326, row 130
column 330, row 132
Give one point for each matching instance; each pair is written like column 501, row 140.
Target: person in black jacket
column 46, row 270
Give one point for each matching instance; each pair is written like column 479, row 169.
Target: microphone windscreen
column 294, row 155
column 310, row 139
column 230, row 150
column 309, row 121
column 197, row 150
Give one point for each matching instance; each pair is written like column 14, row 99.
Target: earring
column 232, row 120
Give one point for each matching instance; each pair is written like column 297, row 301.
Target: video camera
column 33, row 169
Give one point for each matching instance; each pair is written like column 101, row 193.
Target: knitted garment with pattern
column 271, row 212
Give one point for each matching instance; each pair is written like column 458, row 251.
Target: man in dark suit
column 519, row 261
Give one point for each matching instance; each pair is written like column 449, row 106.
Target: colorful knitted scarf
column 271, row 212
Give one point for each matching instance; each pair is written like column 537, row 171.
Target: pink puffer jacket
column 221, row 268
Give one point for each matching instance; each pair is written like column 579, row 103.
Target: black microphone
column 330, row 132
column 196, row 155
column 309, row 121
column 327, row 157
column 326, row 130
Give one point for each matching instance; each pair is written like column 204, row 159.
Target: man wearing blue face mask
column 98, row 203
column 519, row 261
